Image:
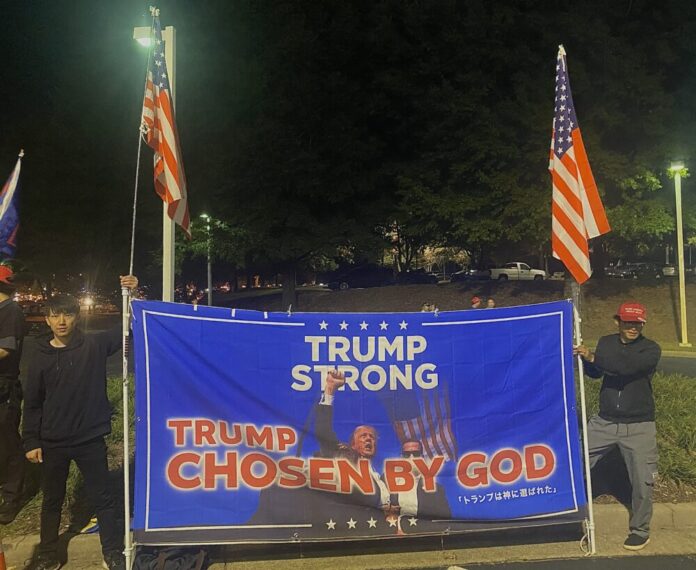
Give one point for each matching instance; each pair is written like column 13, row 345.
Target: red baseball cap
column 475, row 300
column 632, row 312
column 6, row 274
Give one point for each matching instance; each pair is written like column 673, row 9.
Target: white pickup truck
column 518, row 271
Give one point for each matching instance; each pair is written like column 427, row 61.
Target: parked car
column 471, row 274
column 34, row 317
column 416, row 277
column 615, row 271
column 368, row 275
column 516, row 270
column 672, row 270
column 635, row 270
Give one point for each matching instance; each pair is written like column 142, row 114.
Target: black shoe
column 46, row 563
column 114, row 561
column 636, row 542
column 8, row 512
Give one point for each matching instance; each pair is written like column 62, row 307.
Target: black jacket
column 65, row 401
column 12, row 329
column 626, row 395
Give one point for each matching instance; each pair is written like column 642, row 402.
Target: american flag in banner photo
column 161, row 133
column 9, row 217
column 426, row 417
column 577, row 211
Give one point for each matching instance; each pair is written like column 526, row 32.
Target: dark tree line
column 318, row 130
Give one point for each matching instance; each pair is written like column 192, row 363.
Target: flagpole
column 589, row 522
column 125, row 324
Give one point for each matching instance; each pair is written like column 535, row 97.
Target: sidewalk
column 673, row 532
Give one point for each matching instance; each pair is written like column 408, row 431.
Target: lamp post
column 143, row 35
column 206, row 217
column 677, row 168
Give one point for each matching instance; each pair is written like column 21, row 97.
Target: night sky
column 72, row 91
column 72, row 94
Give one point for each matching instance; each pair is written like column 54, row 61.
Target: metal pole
column 168, row 235
column 589, row 523
column 210, row 269
column 127, row 539
column 680, row 256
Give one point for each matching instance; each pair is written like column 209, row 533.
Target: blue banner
column 445, row 422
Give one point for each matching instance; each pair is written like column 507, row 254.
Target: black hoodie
column 65, row 401
column 626, row 395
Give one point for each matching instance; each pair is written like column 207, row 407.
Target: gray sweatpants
column 638, row 447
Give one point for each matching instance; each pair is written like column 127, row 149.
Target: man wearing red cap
column 627, row 362
column 11, row 452
column 475, row 302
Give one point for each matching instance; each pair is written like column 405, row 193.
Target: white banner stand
column 589, row 522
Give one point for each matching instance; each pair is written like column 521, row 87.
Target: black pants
column 11, row 454
column 90, row 458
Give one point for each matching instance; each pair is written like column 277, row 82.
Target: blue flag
column 441, row 422
column 9, row 217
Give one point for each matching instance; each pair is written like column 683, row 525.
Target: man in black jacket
column 11, row 455
column 66, row 416
column 626, row 419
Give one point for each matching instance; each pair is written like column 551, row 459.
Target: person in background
column 490, row 303
column 476, row 302
column 626, row 361
column 66, row 416
column 12, row 463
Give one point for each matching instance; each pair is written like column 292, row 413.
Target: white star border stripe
column 364, row 325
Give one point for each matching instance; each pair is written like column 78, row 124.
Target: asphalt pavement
column 633, row 563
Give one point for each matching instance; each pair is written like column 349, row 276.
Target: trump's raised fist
column 334, row 380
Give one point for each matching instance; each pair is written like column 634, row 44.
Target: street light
column 206, row 217
column 143, row 35
column 677, row 169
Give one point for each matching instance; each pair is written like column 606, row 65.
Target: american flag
column 9, row 218
column 161, row 134
column 427, row 419
column 577, row 210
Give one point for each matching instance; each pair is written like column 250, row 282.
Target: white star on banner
column 363, row 326
column 403, row 325
column 383, row 326
column 323, row 325
column 352, row 523
column 372, row 522
column 331, row 524
column 343, row 325
column 412, row 521
column 392, row 521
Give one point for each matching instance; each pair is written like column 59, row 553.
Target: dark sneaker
column 114, row 561
column 636, row 542
column 46, row 563
column 8, row 512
